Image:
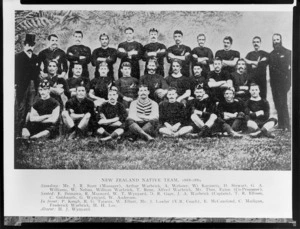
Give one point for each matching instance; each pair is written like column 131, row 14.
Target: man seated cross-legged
column 112, row 116
column 44, row 114
column 202, row 112
column 143, row 115
column 172, row 116
column 258, row 114
column 79, row 114
column 231, row 114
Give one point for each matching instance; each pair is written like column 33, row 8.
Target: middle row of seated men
column 164, row 104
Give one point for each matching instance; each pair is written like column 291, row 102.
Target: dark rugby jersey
column 280, row 62
column 129, row 46
column 54, row 81
column 180, row 50
column 241, row 80
column 203, row 52
column 128, row 86
column 111, row 57
column 207, row 106
column 255, row 106
column 228, row 55
column 73, row 82
column 172, row 113
column 112, row 111
column 153, row 82
column 235, row 106
column 153, row 47
column 73, row 54
column 181, row 84
column 223, row 75
column 101, row 86
column 45, row 107
column 83, row 107
column 259, row 73
column 58, row 54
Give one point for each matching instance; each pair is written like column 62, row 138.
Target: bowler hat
column 30, row 39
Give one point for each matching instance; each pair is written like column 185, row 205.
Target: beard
column 277, row 45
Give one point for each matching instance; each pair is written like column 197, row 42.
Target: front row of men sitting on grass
column 199, row 116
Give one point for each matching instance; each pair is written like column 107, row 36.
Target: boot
column 204, row 132
column 266, row 133
column 256, row 134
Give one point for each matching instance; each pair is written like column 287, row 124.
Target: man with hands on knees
column 143, row 116
column 42, row 121
column 172, row 116
column 257, row 114
column 112, row 116
column 79, row 115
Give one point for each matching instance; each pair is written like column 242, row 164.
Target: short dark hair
column 79, row 31
column 77, row 64
column 201, row 35
column 229, row 89
column 217, row 59
column 129, row 28
column 172, row 89
column 241, row 59
column 228, row 38
column 113, row 88
column 178, row 32
column 53, row 61
column 153, row 30
column 199, row 87
column 52, row 35
column 198, row 65
column 277, row 34
column 126, row 64
column 257, row 37
column 143, row 85
column 253, row 85
column 153, row 60
column 103, row 35
column 177, row 61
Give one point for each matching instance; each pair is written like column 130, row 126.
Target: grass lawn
column 217, row 153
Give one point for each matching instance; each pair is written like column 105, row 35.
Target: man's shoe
column 256, row 134
column 269, row 135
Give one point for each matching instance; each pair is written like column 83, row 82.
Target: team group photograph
column 153, row 90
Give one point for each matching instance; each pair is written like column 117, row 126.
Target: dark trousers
column 279, row 92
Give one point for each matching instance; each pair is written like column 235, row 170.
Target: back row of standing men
column 29, row 66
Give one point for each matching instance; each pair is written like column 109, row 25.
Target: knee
column 213, row 117
column 194, row 117
column 273, row 120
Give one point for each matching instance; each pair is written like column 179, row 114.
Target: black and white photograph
column 174, row 90
column 143, row 96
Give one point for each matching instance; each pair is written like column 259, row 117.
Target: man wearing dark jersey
column 202, row 111
column 181, row 52
column 112, row 116
column 257, row 62
column 127, row 85
column 100, row 86
column 79, row 114
column 78, row 53
column 76, row 79
column 218, row 79
column 229, row 57
column 43, row 116
column 178, row 81
column 202, row 55
column 258, row 114
column 59, row 88
column 199, row 78
column 231, row 113
column 155, row 50
column 156, row 84
column 172, row 116
column 241, row 81
column 53, row 53
column 104, row 54
column 130, row 51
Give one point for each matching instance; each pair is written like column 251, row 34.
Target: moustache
column 29, row 50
